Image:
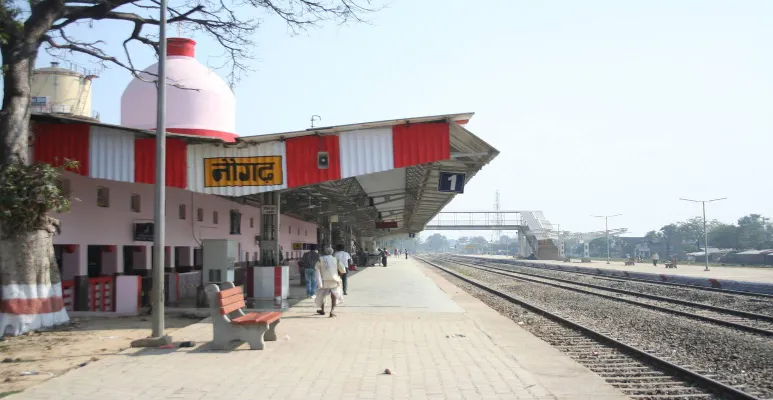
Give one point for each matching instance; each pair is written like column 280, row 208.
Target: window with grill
column 103, row 196
column 135, row 203
column 236, row 222
column 200, row 214
column 214, row 217
column 182, row 212
column 290, row 230
column 252, row 222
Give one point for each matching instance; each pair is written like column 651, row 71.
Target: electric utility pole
column 606, row 228
column 705, row 231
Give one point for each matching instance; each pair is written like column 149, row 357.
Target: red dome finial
column 181, row 47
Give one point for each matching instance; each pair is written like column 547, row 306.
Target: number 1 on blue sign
column 452, row 179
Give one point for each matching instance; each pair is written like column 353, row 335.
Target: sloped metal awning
column 408, row 196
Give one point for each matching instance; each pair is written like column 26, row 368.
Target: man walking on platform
column 309, row 262
column 345, row 259
column 330, row 271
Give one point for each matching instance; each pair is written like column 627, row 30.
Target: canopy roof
column 385, row 171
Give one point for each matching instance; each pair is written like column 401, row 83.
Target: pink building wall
column 88, row 224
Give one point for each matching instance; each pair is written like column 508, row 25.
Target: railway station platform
column 749, row 279
column 438, row 342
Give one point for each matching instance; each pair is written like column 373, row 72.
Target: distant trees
column 436, row 242
column 752, row 231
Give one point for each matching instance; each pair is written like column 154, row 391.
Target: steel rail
column 629, row 301
column 696, row 287
column 731, row 311
column 706, row 382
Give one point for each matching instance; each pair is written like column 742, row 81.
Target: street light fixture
column 606, row 228
column 705, row 231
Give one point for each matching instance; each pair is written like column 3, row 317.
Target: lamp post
column 160, row 199
column 606, row 229
column 705, row 231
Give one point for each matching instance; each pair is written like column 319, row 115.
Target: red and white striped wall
column 29, row 307
column 113, row 154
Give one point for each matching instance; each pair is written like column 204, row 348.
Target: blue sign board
column 451, row 182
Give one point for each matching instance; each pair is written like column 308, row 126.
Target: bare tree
column 26, row 27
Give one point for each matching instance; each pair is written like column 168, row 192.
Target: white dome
column 206, row 107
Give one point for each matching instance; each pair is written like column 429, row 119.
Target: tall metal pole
column 705, row 236
column 160, row 203
column 705, row 230
column 606, row 230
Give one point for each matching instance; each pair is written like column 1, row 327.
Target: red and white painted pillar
column 270, row 282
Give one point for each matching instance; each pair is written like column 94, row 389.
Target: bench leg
column 270, row 335
column 221, row 340
column 255, row 337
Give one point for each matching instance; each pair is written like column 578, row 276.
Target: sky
column 597, row 107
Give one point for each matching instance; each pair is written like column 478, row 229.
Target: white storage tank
column 58, row 90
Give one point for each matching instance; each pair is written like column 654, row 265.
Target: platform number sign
column 451, row 182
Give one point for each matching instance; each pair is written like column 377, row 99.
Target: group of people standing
column 327, row 275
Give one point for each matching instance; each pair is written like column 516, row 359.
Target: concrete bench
column 671, row 264
column 230, row 323
column 629, row 262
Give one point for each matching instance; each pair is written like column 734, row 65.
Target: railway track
column 736, row 319
column 638, row 373
column 630, row 279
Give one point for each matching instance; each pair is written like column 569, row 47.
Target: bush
column 28, row 193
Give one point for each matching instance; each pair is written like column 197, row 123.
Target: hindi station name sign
column 243, row 171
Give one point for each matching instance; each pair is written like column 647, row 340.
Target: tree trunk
column 15, row 114
column 30, row 285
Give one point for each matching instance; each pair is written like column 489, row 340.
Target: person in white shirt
column 345, row 259
column 329, row 271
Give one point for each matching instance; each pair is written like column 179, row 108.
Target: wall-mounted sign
column 39, row 101
column 243, row 171
column 268, row 210
column 451, row 182
column 144, row 232
column 386, row 224
column 297, row 246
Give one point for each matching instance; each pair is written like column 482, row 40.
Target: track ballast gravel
column 732, row 357
column 749, row 303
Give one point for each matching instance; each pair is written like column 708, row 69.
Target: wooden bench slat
column 229, row 292
column 230, row 299
column 232, row 307
column 257, row 318
column 270, row 317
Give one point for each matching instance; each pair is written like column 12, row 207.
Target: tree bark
column 30, row 282
column 15, row 114
column 30, row 285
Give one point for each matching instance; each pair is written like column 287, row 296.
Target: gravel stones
column 730, row 356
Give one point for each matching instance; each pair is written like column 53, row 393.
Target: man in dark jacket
column 309, row 262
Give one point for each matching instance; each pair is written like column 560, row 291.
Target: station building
column 270, row 196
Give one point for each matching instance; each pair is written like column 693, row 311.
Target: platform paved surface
column 750, row 274
column 439, row 342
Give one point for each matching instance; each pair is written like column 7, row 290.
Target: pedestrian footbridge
column 536, row 235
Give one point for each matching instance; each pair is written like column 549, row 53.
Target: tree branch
column 219, row 19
